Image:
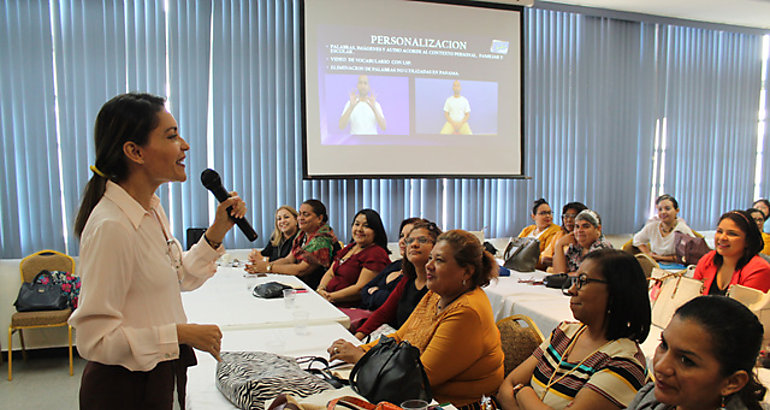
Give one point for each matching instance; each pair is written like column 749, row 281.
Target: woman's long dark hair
column 124, row 118
column 628, row 303
column 374, row 221
column 754, row 242
column 736, row 337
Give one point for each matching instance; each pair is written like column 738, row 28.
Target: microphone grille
column 210, row 178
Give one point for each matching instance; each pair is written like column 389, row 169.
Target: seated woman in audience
column 376, row 292
column 735, row 261
column 763, row 205
column 281, row 240
column 543, row 229
column 453, row 325
column 411, row 288
column 705, row 360
column 656, row 239
column 595, row 363
column 587, row 237
column 358, row 262
column 568, row 214
column 759, row 218
column 312, row 250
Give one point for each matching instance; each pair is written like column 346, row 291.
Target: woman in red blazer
column 737, row 242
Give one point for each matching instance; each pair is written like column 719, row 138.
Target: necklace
column 353, row 251
column 665, row 230
column 567, row 351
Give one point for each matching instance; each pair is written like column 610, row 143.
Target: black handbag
column 391, row 372
column 522, row 254
column 270, row 290
column 37, row 296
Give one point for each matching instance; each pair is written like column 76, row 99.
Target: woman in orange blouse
column 543, row 229
column 453, row 325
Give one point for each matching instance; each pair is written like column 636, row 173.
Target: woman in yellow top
column 453, row 325
column 543, row 229
column 759, row 218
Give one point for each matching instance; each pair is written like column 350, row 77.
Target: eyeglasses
column 569, row 216
column 578, row 281
column 759, row 220
column 545, row 213
column 422, row 240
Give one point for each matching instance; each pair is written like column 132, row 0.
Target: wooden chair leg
column 69, row 334
column 23, row 348
column 10, row 353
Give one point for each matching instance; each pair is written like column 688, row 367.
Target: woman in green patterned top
column 313, row 249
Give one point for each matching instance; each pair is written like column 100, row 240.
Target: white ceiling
column 749, row 13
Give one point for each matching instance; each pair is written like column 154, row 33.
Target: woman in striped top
column 595, row 363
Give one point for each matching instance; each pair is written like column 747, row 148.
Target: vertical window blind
column 595, row 88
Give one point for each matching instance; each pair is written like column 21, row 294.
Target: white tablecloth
column 226, row 300
column 202, row 392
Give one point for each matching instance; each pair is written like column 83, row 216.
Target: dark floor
column 41, row 382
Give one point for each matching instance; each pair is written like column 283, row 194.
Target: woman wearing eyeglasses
column 411, row 288
column 568, row 214
column 656, row 239
column 130, row 323
column 594, row 363
column 543, row 229
column 586, row 238
column 734, row 261
column 453, row 325
column 759, row 218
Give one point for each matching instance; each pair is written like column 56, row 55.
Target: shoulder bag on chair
column 757, row 301
column 689, row 250
column 675, row 291
column 522, row 254
column 34, row 296
column 391, row 372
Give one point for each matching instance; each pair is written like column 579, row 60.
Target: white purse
column 675, row 290
column 757, row 301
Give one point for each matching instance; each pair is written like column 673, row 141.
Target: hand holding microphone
column 235, row 210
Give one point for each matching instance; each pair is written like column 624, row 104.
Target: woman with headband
column 584, row 239
column 734, row 261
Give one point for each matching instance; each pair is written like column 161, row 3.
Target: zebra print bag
column 248, row 379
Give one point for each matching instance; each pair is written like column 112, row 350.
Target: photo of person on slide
column 362, row 112
column 457, row 110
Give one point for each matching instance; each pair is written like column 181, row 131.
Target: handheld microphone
column 213, row 183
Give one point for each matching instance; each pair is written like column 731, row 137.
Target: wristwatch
column 269, row 267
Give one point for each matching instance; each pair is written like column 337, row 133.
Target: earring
column 463, row 282
column 723, row 407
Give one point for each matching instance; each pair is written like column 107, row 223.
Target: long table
column 226, row 300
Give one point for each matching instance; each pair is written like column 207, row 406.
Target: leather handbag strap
column 354, row 403
column 350, row 402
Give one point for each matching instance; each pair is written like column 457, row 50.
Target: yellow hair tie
column 97, row 172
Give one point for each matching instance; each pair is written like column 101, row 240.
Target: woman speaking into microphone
column 131, row 326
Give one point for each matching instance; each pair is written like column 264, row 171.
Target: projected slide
column 409, row 88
